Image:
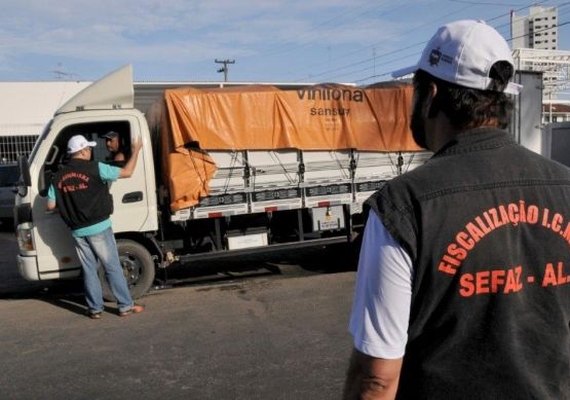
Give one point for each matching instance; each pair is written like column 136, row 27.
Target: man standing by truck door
column 80, row 190
column 463, row 285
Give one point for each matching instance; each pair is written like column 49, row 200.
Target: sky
column 313, row 41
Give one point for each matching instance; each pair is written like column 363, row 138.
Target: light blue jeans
column 102, row 247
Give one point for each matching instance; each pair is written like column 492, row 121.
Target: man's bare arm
column 50, row 206
column 129, row 167
column 370, row 378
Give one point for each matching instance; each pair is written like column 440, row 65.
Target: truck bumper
column 28, row 267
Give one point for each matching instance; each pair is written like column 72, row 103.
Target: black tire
column 138, row 268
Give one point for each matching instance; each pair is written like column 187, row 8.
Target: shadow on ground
column 293, row 262
column 68, row 294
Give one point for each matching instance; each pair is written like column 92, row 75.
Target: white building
column 25, row 107
column 535, row 48
column 538, row 30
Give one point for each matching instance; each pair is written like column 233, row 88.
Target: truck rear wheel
column 138, row 268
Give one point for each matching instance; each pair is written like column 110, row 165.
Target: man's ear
column 432, row 101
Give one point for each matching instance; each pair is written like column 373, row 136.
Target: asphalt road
column 246, row 329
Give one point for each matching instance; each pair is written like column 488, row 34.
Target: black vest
column 487, row 225
column 82, row 197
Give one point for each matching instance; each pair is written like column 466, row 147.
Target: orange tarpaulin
column 320, row 117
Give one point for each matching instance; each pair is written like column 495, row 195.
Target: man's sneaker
column 135, row 309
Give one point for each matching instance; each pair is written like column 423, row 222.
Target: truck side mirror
column 25, row 178
column 24, row 170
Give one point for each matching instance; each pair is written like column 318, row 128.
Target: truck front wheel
column 138, row 268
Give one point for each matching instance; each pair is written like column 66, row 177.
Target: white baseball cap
column 463, row 52
column 78, row 143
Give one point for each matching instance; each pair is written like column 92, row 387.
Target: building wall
column 538, row 30
column 555, row 111
column 543, row 23
column 25, row 108
column 519, row 32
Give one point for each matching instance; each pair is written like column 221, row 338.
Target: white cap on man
column 463, row 52
column 78, row 143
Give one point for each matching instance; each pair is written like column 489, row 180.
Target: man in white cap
column 82, row 196
column 463, row 282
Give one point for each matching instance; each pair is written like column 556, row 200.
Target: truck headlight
column 25, row 237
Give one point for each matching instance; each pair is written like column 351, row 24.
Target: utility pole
column 224, row 69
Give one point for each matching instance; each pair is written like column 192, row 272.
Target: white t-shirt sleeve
column 381, row 308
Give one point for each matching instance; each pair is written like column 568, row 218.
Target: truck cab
column 46, row 249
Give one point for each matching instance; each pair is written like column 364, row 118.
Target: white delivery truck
column 222, row 171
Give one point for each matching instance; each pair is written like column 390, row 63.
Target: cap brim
column 513, row 88
column 404, row 71
column 91, row 144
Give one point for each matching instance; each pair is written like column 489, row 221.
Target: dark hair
column 469, row 108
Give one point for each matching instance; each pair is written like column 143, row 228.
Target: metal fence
column 12, row 147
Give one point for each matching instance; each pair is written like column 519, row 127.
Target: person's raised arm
column 129, row 167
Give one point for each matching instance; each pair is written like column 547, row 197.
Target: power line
column 388, row 73
column 347, row 55
column 539, row 31
column 482, row 3
column 282, row 48
column 372, row 59
column 390, row 52
column 413, row 45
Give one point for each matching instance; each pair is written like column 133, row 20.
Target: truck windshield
column 38, row 143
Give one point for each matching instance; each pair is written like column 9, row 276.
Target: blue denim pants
column 102, row 247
